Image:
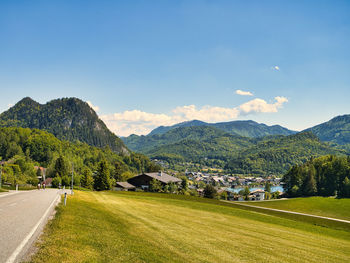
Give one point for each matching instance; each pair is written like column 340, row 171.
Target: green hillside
column 144, row 227
column 337, row 130
column 278, row 155
column 24, row 148
column 68, row 119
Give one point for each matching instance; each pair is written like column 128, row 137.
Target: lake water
column 273, row 189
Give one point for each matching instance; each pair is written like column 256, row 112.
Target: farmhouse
column 144, row 180
column 124, row 186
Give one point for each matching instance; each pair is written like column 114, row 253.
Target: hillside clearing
column 141, row 227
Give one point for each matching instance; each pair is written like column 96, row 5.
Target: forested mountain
column 209, row 146
column 277, row 155
column 336, row 130
column 68, row 119
column 242, row 128
column 23, row 148
column 145, row 144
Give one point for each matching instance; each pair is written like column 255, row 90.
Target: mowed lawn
column 322, row 206
column 143, row 227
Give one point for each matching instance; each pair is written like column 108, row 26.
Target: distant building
column 257, row 195
column 48, row 182
column 144, row 180
column 124, row 186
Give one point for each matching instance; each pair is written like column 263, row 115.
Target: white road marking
column 18, row 250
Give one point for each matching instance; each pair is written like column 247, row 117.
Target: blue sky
column 150, row 63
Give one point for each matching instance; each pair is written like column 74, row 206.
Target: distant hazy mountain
column 68, row 118
column 242, row 128
column 336, row 130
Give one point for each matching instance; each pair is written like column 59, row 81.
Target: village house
column 144, row 180
column 257, row 195
column 124, row 186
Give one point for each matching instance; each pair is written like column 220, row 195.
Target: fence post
column 65, row 199
column 16, row 187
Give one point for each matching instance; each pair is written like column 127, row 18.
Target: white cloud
column 243, row 93
column 140, row 122
column 95, row 108
column 276, row 68
column 261, row 106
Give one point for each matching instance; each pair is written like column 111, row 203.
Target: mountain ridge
column 247, row 128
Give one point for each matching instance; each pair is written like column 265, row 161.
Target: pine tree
column 87, row 180
column 309, row 185
column 102, row 179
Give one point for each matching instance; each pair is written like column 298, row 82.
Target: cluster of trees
column 157, row 186
column 24, row 148
column 324, row 176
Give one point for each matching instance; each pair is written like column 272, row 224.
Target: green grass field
column 322, row 206
column 144, row 227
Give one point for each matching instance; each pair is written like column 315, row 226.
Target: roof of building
column 258, row 191
column 163, row 177
column 125, row 185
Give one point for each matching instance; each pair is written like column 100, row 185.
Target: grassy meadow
column 321, row 206
column 145, row 227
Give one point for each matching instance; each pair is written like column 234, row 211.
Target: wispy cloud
column 243, row 93
column 95, row 108
column 140, row 122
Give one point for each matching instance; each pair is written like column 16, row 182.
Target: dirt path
column 289, row 212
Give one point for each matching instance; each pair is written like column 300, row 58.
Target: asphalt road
column 22, row 217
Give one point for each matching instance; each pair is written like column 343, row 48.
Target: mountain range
column 242, row 128
column 237, row 146
column 242, row 146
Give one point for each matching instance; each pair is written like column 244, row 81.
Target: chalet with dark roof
column 124, row 186
column 144, row 180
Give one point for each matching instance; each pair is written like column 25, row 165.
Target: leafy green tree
column 61, row 166
column 210, row 191
column 223, row 195
column 56, row 181
column 155, row 186
column 345, row 188
column 246, row 192
column 184, row 183
column 87, row 181
column 66, row 180
column 102, row 179
column 268, row 187
column 309, row 184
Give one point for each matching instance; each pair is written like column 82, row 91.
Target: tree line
column 21, row 149
column 324, row 176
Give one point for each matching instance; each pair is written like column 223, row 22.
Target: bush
column 210, row 191
column 56, row 182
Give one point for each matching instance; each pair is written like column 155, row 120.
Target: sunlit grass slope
column 322, row 206
column 141, row 227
